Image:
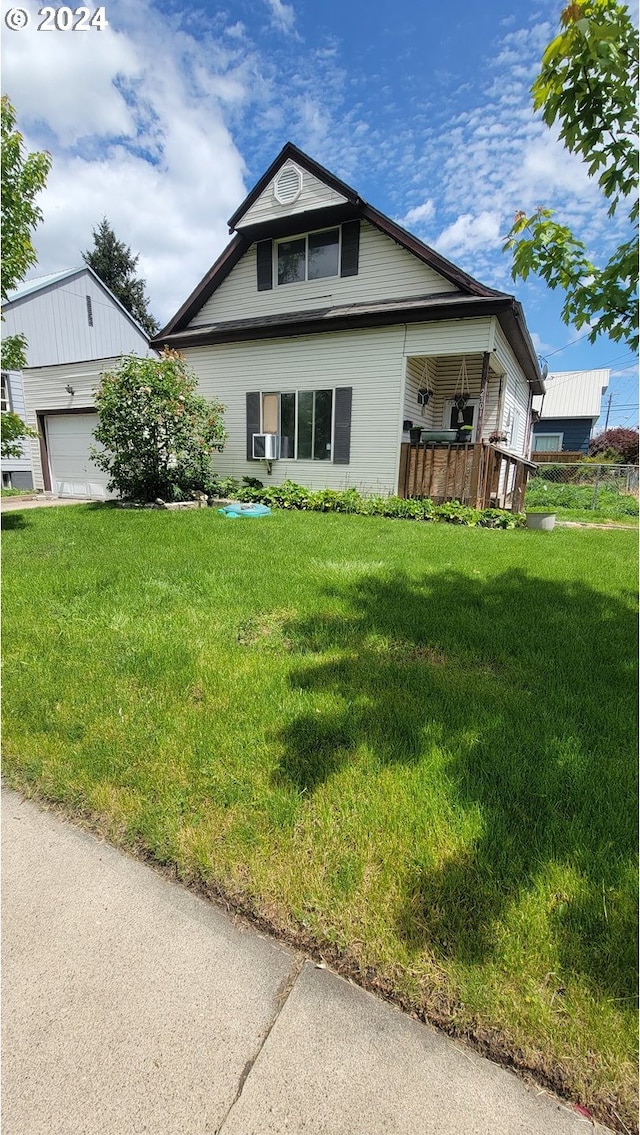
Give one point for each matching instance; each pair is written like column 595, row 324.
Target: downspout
column 527, row 440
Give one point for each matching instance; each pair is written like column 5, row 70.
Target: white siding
column 515, row 395
column 44, row 389
column 444, row 382
column 16, row 405
column 421, row 373
column 56, row 324
column 449, row 337
column 315, row 195
column 370, row 362
column 385, row 271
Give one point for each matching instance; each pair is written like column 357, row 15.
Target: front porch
column 466, row 430
column 480, row 475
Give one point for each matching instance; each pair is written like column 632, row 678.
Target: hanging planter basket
column 461, row 395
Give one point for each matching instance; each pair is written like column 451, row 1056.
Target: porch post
column 483, row 395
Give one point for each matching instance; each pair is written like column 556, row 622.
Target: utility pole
column 606, row 421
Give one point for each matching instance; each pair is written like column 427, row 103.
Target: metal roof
column 38, row 282
column 573, row 394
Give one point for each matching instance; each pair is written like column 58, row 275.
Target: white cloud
column 74, row 92
column 139, row 137
column 284, row 16
column 419, row 214
column 469, row 233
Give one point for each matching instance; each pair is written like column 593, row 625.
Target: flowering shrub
column 157, row 434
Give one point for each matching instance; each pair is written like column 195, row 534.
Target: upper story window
column 330, row 252
column 4, row 393
column 311, row 257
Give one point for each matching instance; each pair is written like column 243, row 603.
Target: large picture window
column 311, row 257
column 305, row 417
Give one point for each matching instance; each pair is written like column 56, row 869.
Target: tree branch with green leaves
column 587, row 86
column 24, row 175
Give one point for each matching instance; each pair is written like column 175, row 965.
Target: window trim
column 6, row 409
column 305, row 236
column 555, row 433
column 294, row 456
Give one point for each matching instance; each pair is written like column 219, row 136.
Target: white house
column 327, row 330
column 75, row 329
column 569, row 410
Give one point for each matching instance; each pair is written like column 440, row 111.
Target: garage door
column 73, row 473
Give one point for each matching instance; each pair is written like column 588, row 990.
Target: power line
column 558, row 349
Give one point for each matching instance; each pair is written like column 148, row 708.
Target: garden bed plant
column 289, row 495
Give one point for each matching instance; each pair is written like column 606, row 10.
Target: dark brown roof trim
column 514, row 325
column 200, row 294
column 296, row 223
column 428, row 255
column 289, row 151
column 320, row 320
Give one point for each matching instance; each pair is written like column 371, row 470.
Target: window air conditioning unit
column 268, row 447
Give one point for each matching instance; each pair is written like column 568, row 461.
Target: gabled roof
column 352, row 206
column 40, row 283
column 289, row 152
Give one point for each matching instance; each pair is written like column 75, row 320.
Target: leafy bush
column 291, row 496
column 158, row 434
column 14, row 432
column 620, row 445
column 498, row 518
column 452, row 512
column 223, row 487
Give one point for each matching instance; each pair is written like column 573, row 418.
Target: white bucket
column 542, row 521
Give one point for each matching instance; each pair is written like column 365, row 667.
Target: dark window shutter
column 350, row 248
column 342, row 432
column 253, row 421
column 265, row 265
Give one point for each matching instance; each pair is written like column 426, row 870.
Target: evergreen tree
column 115, row 264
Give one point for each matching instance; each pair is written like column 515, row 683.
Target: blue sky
column 165, row 120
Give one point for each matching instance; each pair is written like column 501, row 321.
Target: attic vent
column 287, row 186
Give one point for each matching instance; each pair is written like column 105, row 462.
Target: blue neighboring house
column 568, row 412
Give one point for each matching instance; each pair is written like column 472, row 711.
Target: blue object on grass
column 233, row 511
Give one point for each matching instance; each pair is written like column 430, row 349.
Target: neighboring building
column 328, row 328
column 75, row 329
column 16, row 471
column 568, row 411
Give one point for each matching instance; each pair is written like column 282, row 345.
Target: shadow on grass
column 527, row 687
column 11, row 521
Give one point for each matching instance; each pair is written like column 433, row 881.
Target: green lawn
column 412, row 745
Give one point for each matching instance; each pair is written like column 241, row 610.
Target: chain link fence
column 622, row 478
column 584, row 485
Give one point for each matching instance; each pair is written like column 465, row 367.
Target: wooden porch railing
column 481, row 475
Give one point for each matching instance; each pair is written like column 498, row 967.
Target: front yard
column 410, row 746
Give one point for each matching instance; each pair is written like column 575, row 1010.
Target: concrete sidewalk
column 18, row 504
column 131, row 1005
